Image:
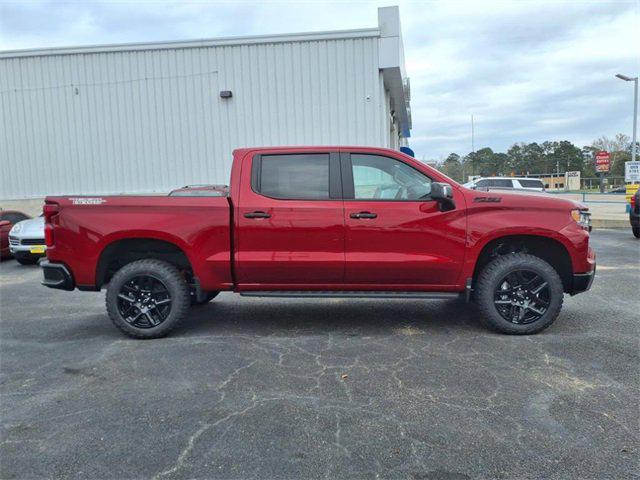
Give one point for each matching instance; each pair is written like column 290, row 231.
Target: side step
column 350, row 294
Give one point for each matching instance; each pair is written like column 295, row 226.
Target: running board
column 350, row 294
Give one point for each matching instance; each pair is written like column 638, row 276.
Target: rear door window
column 293, row 177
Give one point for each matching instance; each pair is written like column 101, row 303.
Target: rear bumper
column 634, row 219
column 56, row 275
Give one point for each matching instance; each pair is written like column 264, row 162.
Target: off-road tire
column 208, row 297
column 170, row 277
column 636, row 231
column 493, row 274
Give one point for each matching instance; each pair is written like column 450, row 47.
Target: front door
column 395, row 234
column 290, row 225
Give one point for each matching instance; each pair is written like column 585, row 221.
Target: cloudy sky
column 527, row 70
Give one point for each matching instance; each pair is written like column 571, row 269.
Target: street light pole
column 635, row 111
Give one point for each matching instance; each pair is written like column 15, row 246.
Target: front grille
column 32, row 241
column 14, row 241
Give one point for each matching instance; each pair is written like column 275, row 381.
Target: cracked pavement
column 256, row 388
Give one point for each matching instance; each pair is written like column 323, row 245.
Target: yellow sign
column 631, row 191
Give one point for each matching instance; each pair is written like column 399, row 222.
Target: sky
column 526, row 70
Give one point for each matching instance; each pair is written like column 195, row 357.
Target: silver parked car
column 516, row 183
column 26, row 241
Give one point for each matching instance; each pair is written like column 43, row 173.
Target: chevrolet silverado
column 322, row 222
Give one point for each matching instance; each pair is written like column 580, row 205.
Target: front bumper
column 583, row 281
column 25, row 245
column 56, row 275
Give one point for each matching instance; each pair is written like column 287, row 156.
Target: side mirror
column 443, row 194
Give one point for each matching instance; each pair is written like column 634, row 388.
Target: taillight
column 48, row 235
column 633, row 202
column 50, row 210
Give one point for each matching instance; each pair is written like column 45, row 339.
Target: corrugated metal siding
column 149, row 121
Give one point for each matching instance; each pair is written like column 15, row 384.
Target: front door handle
column 257, row 215
column 364, row 215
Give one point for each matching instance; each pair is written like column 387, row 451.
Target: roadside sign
column 631, row 191
column 602, row 162
column 632, row 172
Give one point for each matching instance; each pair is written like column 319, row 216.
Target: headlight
column 15, row 229
column 582, row 218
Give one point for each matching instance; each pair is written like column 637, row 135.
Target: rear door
column 290, row 225
column 395, row 234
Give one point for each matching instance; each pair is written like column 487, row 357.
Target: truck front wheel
column 147, row 298
column 519, row 294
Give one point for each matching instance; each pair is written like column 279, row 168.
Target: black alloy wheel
column 147, row 298
column 144, row 301
column 522, row 297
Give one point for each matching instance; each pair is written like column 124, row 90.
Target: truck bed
column 199, row 226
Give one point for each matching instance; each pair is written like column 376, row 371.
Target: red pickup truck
column 321, row 222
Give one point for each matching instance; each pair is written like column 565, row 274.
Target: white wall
column 152, row 120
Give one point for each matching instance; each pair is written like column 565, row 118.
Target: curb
column 609, row 223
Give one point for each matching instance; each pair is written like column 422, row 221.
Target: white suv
column 507, row 182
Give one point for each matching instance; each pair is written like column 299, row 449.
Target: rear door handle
column 257, row 215
column 364, row 215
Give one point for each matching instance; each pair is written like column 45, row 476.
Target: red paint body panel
column 5, row 227
column 315, row 245
column 197, row 225
column 302, row 242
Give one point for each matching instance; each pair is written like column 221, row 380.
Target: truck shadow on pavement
column 226, row 316
column 319, row 317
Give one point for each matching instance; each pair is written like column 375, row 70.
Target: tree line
column 539, row 159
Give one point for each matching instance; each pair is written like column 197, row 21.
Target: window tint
column 531, row 183
column 304, row 176
column 383, row 178
column 482, row 183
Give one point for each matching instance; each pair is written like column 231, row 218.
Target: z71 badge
column 487, row 199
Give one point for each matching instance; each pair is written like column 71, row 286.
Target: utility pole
column 473, row 146
column 635, row 112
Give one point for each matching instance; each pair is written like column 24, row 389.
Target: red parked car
column 320, row 222
column 8, row 218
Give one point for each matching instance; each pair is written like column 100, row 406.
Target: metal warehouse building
column 145, row 118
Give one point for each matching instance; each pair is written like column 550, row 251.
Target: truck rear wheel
column 519, row 294
column 636, row 231
column 147, row 298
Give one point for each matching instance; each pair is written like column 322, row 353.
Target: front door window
column 383, row 178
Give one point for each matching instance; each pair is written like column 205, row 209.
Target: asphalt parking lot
column 296, row 388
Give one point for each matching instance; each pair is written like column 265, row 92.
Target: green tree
column 452, row 167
